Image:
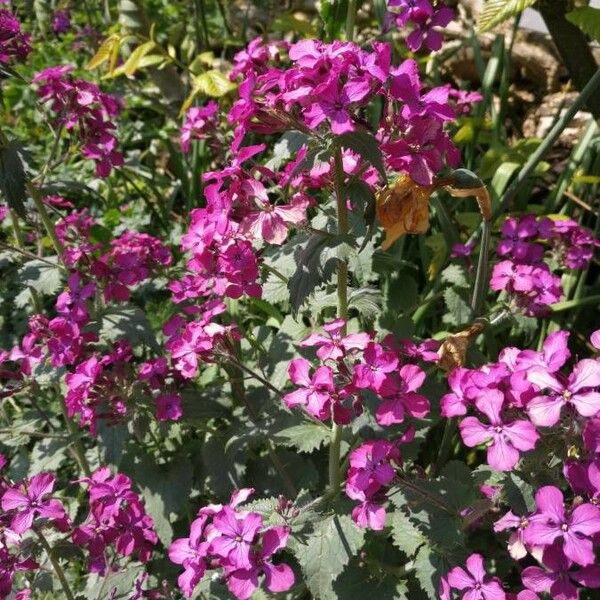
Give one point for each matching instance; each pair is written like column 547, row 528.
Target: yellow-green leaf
column 214, row 83
column 495, row 12
column 105, row 52
column 132, row 64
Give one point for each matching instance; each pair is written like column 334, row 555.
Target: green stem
column 342, row 310
column 481, row 279
column 36, row 196
column 55, row 565
column 350, row 18
column 20, row 243
column 77, row 445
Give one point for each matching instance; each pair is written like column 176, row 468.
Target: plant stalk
column 342, row 310
column 55, row 565
column 350, row 19
column 77, row 445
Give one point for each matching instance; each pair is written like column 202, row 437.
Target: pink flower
column 200, row 121
column 315, row 392
column 235, row 535
column 516, row 542
column 271, row 222
column 474, row 581
column 557, row 579
column 374, row 371
column 28, row 501
column 505, row 439
column 278, row 578
column 552, row 523
column 191, row 553
column 575, row 391
column 333, row 346
column 168, row 407
column 399, row 396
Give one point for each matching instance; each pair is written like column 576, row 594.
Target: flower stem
column 77, row 445
column 342, row 309
column 350, row 18
column 36, row 196
column 55, row 565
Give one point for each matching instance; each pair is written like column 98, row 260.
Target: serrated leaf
column 12, row 176
column 48, row 455
column 315, row 264
column 367, row 146
column 357, row 582
column 495, row 12
column 405, row 534
column 306, row 437
column 44, row 276
column 328, row 549
column 459, row 311
column 367, row 301
column 429, row 567
column 587, row 19
column 286, row 148
column 455, row 275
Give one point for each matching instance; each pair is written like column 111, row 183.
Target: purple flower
column 278, row 578
column 552, row 523
column 168, row 407
column 200, row 122
column 333, row 346
column 29, row 501
column 374, row 371
column 557, row 579
column 235, row 535
column 474, row 581
column 505, row 439
column 576, row 391
column 315, row 392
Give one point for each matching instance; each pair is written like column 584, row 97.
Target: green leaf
column 306, row 437
column 459, row 311
column 121, row 582
column 315, row 264
column 286, row 148
column 48, row 455
column 367, row 146
column 406, row 536
column 455, row 275
column 165, row 489
column 587, row 19
column 132, row 64
column 495, row 12
column 358, row 581
column 128, row 322
column 429, row 567
column 333, row 13
column 326, row 551
column 44, row 276
column 12, row 176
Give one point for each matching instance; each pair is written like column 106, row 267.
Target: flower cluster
column 200, row 123
column 531, row 248
column 520, row 392
column 326, row 86
column 236, row 541
column 14, row 44
column 26, row 506
column 116, row 519
column 371, row 472
column 80, row 105
column 352, row 365
column 425, row 17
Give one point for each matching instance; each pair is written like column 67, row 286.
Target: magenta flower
column 576, row 391
column 557, row 579
column 29, row 501
column 475, row 582
column 236, row 534
column 334, row 102
column 400, row 397
column 516, row 541
column 168, row 407
column 333, row 346
column 504, row 439
column 552, row 523
column 278, row 578
column 371, row 462
column 374, row 371
column 271, row 223
column 315, row 392
column 200, row 122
